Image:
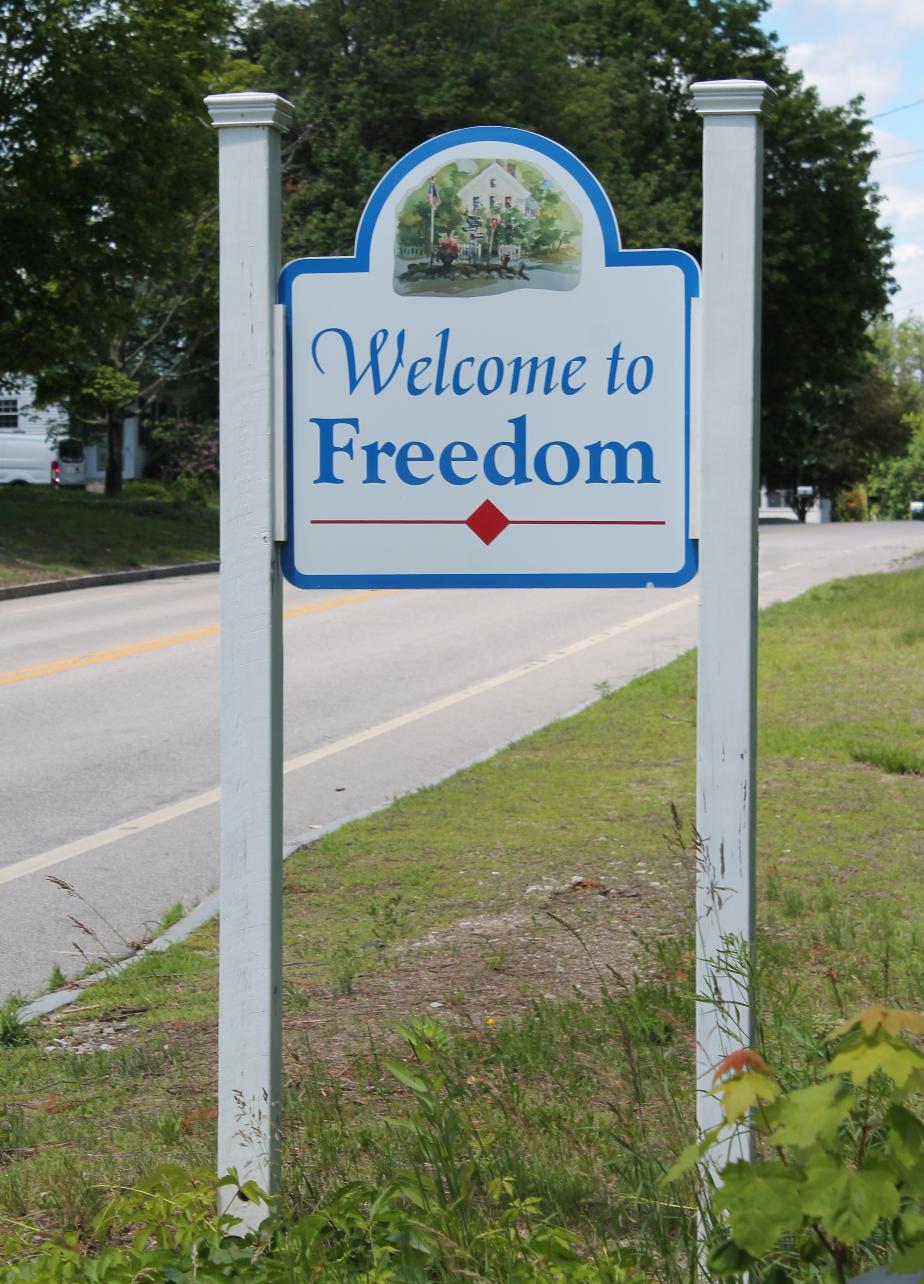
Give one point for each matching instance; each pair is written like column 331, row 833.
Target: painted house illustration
column 497, row 188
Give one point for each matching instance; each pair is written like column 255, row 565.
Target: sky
column 874, row 48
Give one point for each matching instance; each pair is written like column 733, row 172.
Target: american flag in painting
column 433, row 195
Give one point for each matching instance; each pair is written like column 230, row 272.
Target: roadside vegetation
column 489, row 992
column 53, row 534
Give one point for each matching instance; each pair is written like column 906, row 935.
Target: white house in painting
column 495, row 189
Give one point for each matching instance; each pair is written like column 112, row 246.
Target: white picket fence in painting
column 470, row 251
column 473, row 251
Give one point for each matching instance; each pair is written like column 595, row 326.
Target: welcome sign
column 490, row 392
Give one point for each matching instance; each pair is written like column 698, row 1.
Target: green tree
column 847, row 432
column 448, row 219
column 370, row 81
column 822, row 424
column 826, row 256
column 899, row 349
column 894, row 484
column 106, row 166
column 611, row 81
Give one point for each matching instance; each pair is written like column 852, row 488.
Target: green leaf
column 908, row 1228
column 849, row 1204
column 891, row 1020
column 910, row 1262
column 762, row 1201
column 862, row 1059
column 350, row 1196
column 690, row 1156
column 812, row 1114
column 727, row 1258
column 914, row 1083
column 405, row 1076
column 913, row 1180
column 392, row 1195
column 743, row 1092
column 906, row 1135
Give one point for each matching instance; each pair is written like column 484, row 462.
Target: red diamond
column 487, row 522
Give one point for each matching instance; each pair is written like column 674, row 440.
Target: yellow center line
column 172, row 639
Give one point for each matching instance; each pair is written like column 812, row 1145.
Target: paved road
column 110, row 715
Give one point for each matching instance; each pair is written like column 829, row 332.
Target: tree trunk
column 114, row 422
column 800, row 504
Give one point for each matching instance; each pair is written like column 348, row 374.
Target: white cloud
column 904, row 207
column 888, row 143
column 908, row 252
column 909, row 273
column 897, row 169
column 849, row 64
column 905, row 14
column 846, row 47
column 874, row 48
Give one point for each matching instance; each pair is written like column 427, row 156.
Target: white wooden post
column 726, row 713
column 250, row 985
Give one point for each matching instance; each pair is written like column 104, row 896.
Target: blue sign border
column 614, row 256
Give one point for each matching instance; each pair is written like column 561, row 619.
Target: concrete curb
column 204, row 912
column 107, row 577
column 47, row 1003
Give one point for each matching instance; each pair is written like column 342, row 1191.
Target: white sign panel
column 490, row 392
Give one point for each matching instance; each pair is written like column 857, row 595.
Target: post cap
column 731, row 97
column 236, row 111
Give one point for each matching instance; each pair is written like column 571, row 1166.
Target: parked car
column 28, row 459
column 71, row 466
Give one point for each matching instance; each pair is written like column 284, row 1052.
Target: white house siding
column 52, row 421
column 495, row 184
column 132, row 454
column 46, row 421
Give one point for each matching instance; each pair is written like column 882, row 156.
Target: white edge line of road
column 127, row 828
column 207, row 909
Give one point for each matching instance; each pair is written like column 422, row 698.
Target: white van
column 71, row 468
column 27, row 458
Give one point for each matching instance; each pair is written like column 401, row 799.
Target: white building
column 773, row 505
column 496, row 189
column 18, row 413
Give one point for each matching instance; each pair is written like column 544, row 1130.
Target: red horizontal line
column 386, row 521
column 626, row 522
column 447, row 521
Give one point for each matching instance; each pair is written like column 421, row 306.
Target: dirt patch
column 559, row 942
column 558, row 939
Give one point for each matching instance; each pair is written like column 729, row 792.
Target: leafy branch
column 842, row 1169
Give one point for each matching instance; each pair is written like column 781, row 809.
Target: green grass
column 900, row 761
column 585, row 1093
column 50, row 534
column 171, row 916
